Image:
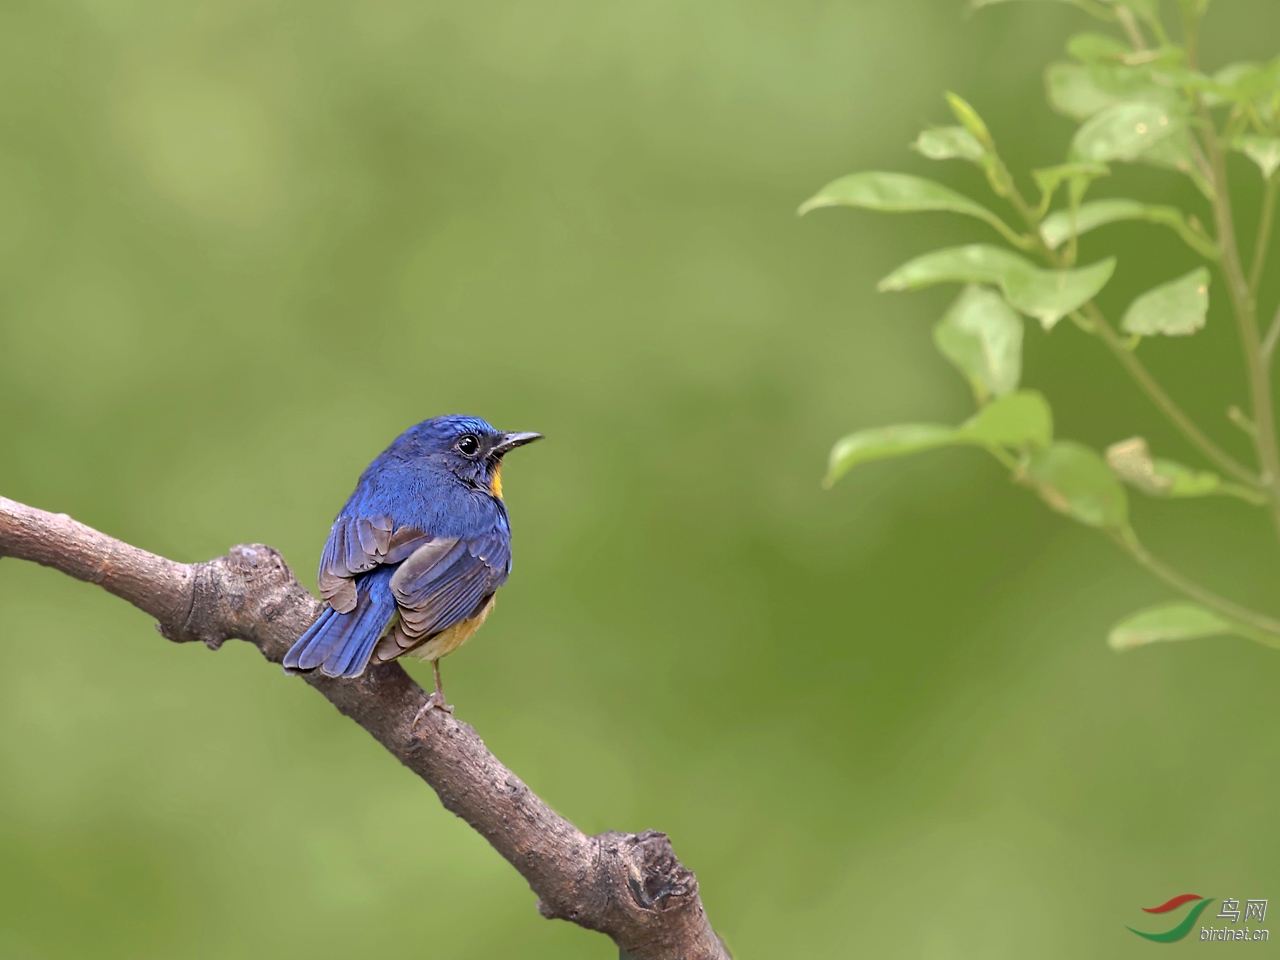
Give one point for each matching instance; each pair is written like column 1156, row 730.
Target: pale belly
column 444, row 643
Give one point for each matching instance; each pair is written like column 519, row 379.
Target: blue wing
column 368, row 571
column 357, row 545
column 339, row 644
column 443, row 583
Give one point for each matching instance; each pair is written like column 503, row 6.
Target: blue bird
column 415, row 557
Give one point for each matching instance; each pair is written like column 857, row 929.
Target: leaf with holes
column 1132, row 462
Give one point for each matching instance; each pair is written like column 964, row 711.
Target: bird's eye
column 468, row 445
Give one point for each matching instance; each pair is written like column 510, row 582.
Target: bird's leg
column 436, row 701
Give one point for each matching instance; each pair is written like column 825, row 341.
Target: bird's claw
column 434, row 702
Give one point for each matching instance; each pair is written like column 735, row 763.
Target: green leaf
column 1074, row 91
column 1245, row 82
column 1174, row 309
column 1124, row 131
column 1174, row 152
column 969, row 119
column 1050, row 178
column 1074, row 480
column 1081, row 90
column 974, row 263
column 1264, row 151
column 903, row 193
column 982, row 336
column 1018, row 420
column 979, row 4
column 882, row 443
column 1091, row 47
column 1046, row 295
column 948, row 143
column 1172, row 621
column 899, row 193
column 1056, row 229
column 1148, row 10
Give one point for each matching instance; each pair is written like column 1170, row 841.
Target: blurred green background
column 244, row 244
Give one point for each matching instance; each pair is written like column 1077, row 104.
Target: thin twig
column 1245, row 310
column 1273, row 334
column 1130, row 24
column 1151, row 387
column 630, row 887
column 1098, row 325
column 1128, row 540
column 1261, row 245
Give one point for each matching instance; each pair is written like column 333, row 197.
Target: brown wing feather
column 355, row 544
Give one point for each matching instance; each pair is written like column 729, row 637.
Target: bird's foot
column 434, row 702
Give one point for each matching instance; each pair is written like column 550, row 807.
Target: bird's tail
column 340, row 644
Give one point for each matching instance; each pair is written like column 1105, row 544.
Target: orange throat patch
column 495, row 485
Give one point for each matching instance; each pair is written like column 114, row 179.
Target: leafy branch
column 1139, row 98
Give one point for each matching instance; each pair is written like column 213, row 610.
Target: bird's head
column 468, row 447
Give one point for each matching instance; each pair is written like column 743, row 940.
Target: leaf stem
column 1245, row 309
column 1264, row 235
column 1168, row 406
column 1273, row 334
column 1130, row 24
column 1129, row 542
column 1097, row 324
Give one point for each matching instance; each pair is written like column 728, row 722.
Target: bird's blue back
column 428, row 503
column 425, row 495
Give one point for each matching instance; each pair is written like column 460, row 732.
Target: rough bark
column 628, row 886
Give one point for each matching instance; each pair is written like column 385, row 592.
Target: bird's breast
column 447, row 641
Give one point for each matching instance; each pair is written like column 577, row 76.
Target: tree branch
column 628, row 886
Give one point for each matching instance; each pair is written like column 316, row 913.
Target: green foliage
column 1018, row 421
column 1124, row 131
column 1132, row 462
column 900, row 193
column 1061, row 225
column 982, row 336
column 1046, row 295
column 1075, row 481
column 1264, row 151
column 1174, row 309
column 1135, row 102
column 1172, row 621
column 948, row 143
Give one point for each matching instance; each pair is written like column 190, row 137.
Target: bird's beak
column 510, row 441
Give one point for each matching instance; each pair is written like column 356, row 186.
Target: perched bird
column 415, row 557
